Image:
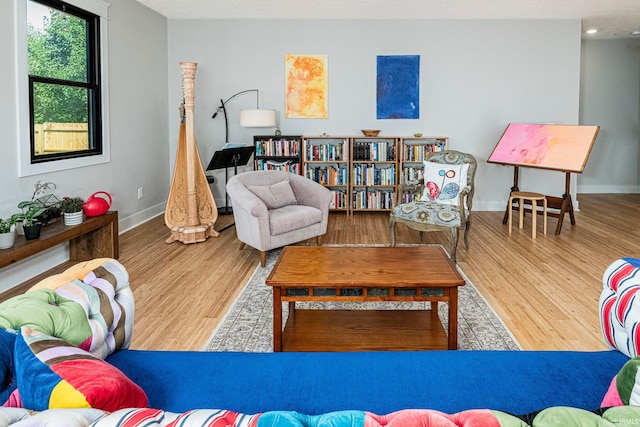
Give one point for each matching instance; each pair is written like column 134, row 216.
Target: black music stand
column 224, row 159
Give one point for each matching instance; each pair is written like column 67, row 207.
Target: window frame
column 26, row 164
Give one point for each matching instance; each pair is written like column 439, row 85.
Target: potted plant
column 7, row 233
column 46, row 206
column 30, row 217
column 71, row 208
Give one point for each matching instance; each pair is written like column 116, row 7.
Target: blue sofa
column 73, row 366
column 517, row 382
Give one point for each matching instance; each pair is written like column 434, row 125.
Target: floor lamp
column 238, row 155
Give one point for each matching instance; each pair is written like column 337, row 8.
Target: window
column 62, row 90
column 64, row 84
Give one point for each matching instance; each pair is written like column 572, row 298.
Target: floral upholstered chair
column 441, row 200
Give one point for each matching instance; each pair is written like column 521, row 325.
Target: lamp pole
column 224, row 110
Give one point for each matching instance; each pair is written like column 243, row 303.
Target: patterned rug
column 248, row 325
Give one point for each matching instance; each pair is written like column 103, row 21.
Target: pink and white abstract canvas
column 559, row 147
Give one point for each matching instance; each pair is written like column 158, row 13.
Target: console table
column 95, row 237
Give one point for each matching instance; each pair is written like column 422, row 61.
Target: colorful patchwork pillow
column 7, row 371
column 52, row 373
column 443, row 182
column 625, row 386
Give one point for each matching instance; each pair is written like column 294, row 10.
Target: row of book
column 418, row 153
column 325, row 152
column 339, row 200
column 410, row 173
column 369, row 174
column 278, row 147
column 372, row 199
column 374, row 151
column 327, row 175
column 410, row 197
column 278, row 166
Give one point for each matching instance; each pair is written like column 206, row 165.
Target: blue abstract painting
column 398, row 87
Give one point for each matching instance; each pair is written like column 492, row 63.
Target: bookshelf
column 414, row 151
column 326, row 161
column 278, row 153
column 373, row 169
column 363, row 173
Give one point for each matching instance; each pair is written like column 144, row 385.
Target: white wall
column 610, row 97
column 138, row 128
column 476, row 76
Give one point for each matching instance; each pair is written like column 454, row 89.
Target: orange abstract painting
column 307, row 82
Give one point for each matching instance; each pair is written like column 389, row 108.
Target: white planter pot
column 7, row 240
column 19, row 228
column 72, row 218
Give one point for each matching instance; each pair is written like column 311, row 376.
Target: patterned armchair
column 444, row 202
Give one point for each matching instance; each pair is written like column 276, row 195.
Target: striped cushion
column 619, row 307
column 52, row 373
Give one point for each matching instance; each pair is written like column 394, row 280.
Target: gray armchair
column 272, row 209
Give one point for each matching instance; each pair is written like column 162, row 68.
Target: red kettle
column 96, row 206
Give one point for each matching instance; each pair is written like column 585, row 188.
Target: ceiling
column 612, row 18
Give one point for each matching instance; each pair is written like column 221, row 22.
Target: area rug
column 248, row 325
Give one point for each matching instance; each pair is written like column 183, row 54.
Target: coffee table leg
column 453, row 318
column 277, row 319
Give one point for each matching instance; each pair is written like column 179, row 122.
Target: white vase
column 7, row 239
column 74, row 218
column 19, row 228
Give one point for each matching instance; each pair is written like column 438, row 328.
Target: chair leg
column 466, row 231
column 318, row 240
column 392, row 231
column 454, row 243
column 241, row 246
column 263, row 258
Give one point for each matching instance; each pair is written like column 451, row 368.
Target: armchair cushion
column 293, row 217
column 275, row 195
column 442, row 182
column 428, row 212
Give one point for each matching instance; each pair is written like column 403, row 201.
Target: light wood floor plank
column 546, row 290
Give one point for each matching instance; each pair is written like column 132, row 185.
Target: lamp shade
column 258, row 118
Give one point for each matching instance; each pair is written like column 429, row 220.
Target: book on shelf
column 371, row 174
column 277, row 147
column 287, row 165
column 372, row 199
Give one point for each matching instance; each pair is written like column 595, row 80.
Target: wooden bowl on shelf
column 370, row 132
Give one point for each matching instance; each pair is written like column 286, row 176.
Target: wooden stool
column 534, row 197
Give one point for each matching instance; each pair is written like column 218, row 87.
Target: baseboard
column 24, row 270
column 613, row 189
column 134, row 220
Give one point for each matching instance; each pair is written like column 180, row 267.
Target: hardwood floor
column 545, row 290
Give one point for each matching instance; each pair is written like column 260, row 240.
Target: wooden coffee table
column 364, row 274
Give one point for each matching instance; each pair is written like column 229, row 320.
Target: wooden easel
column 562, row 148
column 564, row 204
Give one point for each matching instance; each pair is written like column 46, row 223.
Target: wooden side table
column 534, row 198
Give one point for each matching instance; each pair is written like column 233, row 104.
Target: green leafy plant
column 34, row 210
column 71, row 204
column 5, row 224
column 31, row 211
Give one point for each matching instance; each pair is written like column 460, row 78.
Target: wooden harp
column 191, row 210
